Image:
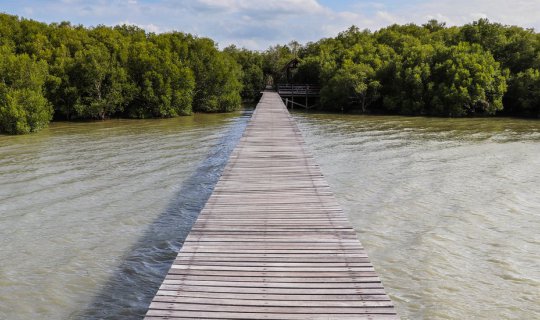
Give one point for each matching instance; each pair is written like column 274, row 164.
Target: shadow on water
column 130, row 289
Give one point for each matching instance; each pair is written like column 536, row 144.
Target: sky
column 257, row 24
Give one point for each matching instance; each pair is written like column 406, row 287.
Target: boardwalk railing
column 272, row 242
column 298, row 90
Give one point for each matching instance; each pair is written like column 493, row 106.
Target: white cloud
column 152, row 28
column 259, row 24
column 457, row 12
column 387, row 17
column 277, row 6
column 148, row 27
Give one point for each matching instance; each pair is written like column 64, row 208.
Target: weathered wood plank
column 269, row 274
column 347, row 279
column 272, row 242
column 184, row 306
column 270, row 297
column 276, row 303
column 196, row 315
column 291, row 291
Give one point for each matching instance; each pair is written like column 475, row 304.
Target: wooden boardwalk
column 272, row 242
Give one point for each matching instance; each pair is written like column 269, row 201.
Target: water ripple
column 448, row 209
column 92, row 214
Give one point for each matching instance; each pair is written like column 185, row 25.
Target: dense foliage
column 23, row 108
column 72, row 72
column 480, row 68
column 252, row 63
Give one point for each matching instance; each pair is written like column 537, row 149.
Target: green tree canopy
column 23, row 107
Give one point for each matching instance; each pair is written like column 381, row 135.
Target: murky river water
column 448, row 209
column 91, row 214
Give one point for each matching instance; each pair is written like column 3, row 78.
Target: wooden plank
column 270, row 297
column 268, row 274
column 266, row 284
column 290, row 291
column 347, row 279
column 271, row 241
column 185, row 306
column 276, row 303
column 158, row 314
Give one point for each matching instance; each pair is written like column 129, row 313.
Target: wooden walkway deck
column 272, row 242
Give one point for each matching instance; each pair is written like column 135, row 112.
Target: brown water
column 448, row 209
column 91, row 214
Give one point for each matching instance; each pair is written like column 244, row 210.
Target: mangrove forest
column 61, row 71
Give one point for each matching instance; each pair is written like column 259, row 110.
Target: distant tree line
column 480, row 68
column 66, row 72
column 71, row 72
